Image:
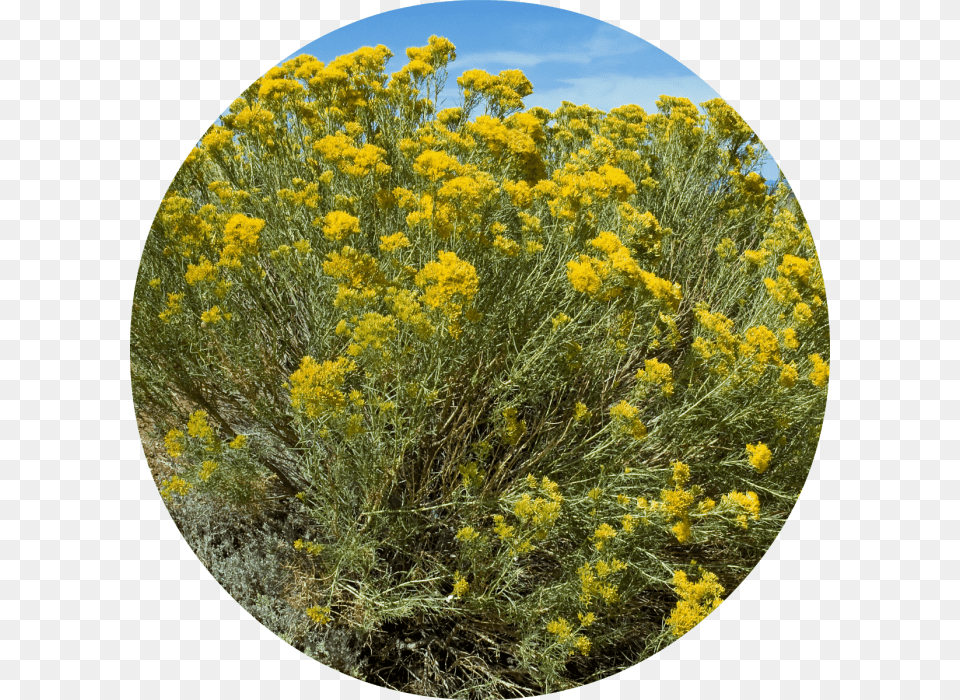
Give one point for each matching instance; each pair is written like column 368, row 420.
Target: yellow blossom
column 394, row 242
column 657, row 373
column 175, row 485
column 238, row 442
column 696, row 601
column 200, row 273
column 625, row 416
column 446, row 282
column 174, row 443
column 585, row 274
column 213, row 315
column 759, row 456
column 802, row 315
column 173, row 307
column 745, row 505
column 756, row 257
column 319, row 615
column 198, row 427
column 337, row 225
column 790, row 339
column 207, row 469
column 241, row 238
column 561, row 629
column 506, row 246
column 467, row 534
column 372, row 331
column 820, row 373
column 788, row 376
column 315, row 387
column 581, row 413
column 726, row 249
column 602, row 534
column 460, row 585
column 560, row 320
column 513, row 429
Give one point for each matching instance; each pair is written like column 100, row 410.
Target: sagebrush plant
column 541, row 387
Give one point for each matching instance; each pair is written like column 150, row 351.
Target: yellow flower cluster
column 448, row 283
column 279, row 89
column 175, row 485
column 581, row 414
column 174, row 443
column 437, row 165
column 255, row 121
column 394, row 241
column 372, row 331
column 540, row 513
column 189, row 231
column 760, row 348
column 508, row 535
column 503, row 92
column 626, row 418
column 788, row 376
column 217, row 140
column 506, row 246
column 214, row 315
column 515, row 141
column 241, row 238
column 173, row 307
column 561, row 629
column 678, row 501
column 308, row 547
column 337, row 225
column 726, row 249
column 759, row 456
column 696, row 601
column 619, row 270
column 723, row 344
column 460, row 585
column 207, row 469
column 641, row 229
column 340, row 150
column 744, row 504
column 593, row 582
column 307, row 196
column 656, row 373
column 756, row 257
column 405, row 307
column 320, row 615
column 513, row 429
column 471, row 474
column 198, row 427
column 467, row 534
column 587, row 274
column 201, row 272
column 361, row 274
column 315, row 387
column 602, row 535
column 820, row 373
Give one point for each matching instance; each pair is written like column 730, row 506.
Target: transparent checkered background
column 99, row 104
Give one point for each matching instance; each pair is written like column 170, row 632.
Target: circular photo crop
column 479, row 350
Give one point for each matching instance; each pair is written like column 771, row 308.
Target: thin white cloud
column 610, row 41
column 605, row 41
column 520, row 59
column 608, row 91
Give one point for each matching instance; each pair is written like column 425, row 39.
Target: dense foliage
column 503, row 400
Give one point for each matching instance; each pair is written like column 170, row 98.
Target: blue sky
column 566, row 55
